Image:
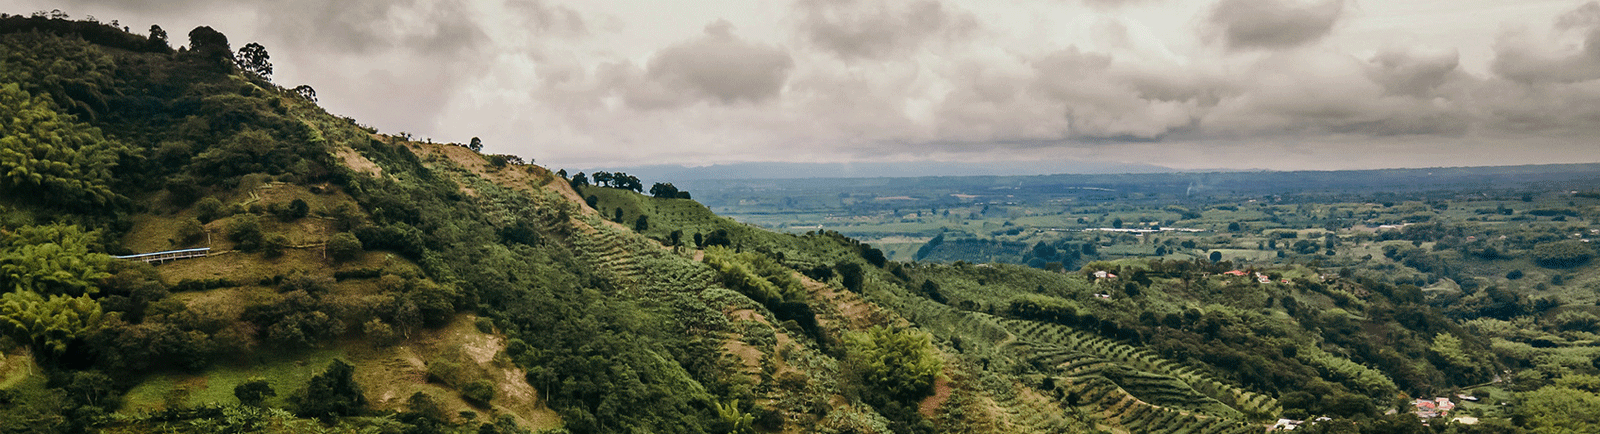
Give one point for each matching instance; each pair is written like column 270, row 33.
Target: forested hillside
column 358, row 281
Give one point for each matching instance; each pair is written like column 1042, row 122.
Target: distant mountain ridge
column 1052, row 170
column 781, row 170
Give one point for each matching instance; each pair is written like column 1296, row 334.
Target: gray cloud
column 1274, row 24
column 1547, row 110
column 1320, row 93
column 545, row 18
column 1585, row 16
column 359, row 27
column 1410, row 72
column 1526, row 57
column 373, row 26
column 921, row 79
column 1102, row 102
column 717, row 66
column 875, row 29
column 1108, row 4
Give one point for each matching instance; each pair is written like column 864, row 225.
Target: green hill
column 363, row 282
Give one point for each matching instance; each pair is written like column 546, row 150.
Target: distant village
column 1426, row 409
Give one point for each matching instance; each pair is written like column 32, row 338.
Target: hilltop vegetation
column 366, row 282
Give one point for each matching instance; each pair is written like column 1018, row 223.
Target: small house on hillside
column 1426, row 409
column 1432, row 408
column 1102, row 274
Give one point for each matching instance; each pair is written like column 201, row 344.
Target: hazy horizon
column 781, row 170
column 1217, row 84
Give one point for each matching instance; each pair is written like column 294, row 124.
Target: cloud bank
column 1284, row 84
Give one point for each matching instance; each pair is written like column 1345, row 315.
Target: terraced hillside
column 368, row 282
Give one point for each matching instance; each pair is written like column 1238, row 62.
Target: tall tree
column 664, row 190
column 476, row 145
column 332, row 393
column 305, row 92
column 210, row 45
column 158, row 37
column 253, row 59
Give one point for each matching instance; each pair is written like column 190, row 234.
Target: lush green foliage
column 1563, row 254
column 49, row 324
column 332, row 393
column 897, row 365
column 344, row 246
column 52, row 260
column 1559, row 410
column 51, row 158
column 253, row 392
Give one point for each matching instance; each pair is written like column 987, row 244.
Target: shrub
column 296, row 210
column 445, row 371
column 246, row 231
column 183, row 190
column 360, row 273
column 332, row 393
column 208, row 209
column 873, row 256
column 718, row 237
column 478, row 392
column 304, row 329
column 1562, row 254
column 400, row 237
column 202, row 284
column 344, row 246
column 380, row 332
column 254, row 392
column 190, row 231
column 851, row 275
column 345, row 217
column 273, row 244
column 424, row 405
column 896, row 365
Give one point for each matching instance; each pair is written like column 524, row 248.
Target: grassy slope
column 387, row 374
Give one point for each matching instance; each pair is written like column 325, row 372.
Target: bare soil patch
column 941, row 393
column 358, row 162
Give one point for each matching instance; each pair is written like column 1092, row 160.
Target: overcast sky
column 1275, row 84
